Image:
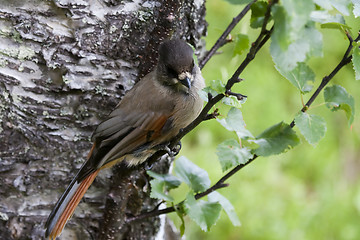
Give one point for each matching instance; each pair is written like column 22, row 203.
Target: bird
column 162, row 103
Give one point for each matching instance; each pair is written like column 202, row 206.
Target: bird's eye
column 171, row 72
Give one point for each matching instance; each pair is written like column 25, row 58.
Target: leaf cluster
column 295, row 39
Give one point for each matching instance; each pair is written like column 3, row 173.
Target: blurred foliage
column 307, row 193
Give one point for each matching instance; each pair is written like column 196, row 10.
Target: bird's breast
column 187, row 109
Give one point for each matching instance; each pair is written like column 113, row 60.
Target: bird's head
column 176, row 67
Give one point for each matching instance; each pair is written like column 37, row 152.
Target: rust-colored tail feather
column 66, row 205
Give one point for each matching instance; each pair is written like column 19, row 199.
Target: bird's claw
column 172, row 152
column 175, row 150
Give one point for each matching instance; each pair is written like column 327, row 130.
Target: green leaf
column 182, row 227
column 290, row 19
column 226, row 205
column 233, row 101
column 298, row 14
column 250, row 144
column 299, row 77
column 356, row 10
column 356, row 62
column 313, row 127
column 203, row 93
column 195, row 177
column 341, row 5
column 230, row 154
column 235, row 122
column 218, row 86
column 335, row 25
column 336, row 97
column 308, row 44
column 215, row 87
column 324, row 4
column 161, row 184
column 242, row 43
column 275, row 140
column 258, row 11
column 170, row 180
column 295, row 38
column 158, row 190
column 180, row 211
column 315, row 43
column 280, row 36
column 323, row 16
column 204, row 214
column 238, row 2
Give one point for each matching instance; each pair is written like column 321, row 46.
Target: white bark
column 63, row 66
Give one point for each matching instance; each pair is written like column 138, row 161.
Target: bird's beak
column 186, row 82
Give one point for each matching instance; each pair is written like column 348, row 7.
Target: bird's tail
column 66, row 205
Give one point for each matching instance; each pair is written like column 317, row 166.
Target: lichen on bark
column 64, row 65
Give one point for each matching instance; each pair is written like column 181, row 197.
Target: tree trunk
column 63, row 67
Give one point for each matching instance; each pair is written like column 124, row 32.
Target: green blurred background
column 307, row 193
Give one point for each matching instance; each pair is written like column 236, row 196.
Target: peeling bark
column 63, row 68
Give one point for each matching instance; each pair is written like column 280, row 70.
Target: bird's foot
column 175, row 150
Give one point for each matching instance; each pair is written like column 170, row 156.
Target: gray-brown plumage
column 150, row 114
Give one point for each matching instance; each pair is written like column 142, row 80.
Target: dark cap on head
column 176, row 54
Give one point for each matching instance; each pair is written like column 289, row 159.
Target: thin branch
column 239, row 96
column 222, row 39
column 265, row 39
column 255, row 47
column 221, row 182
column 344, row 61
column 212, row 115
column 154, row 213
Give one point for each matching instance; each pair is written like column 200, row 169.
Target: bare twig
column 212, row 115
column 222, row 39
column 239, row 96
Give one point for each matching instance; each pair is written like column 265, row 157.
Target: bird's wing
column 120, row 134
column 135, row 124
column 130, row 132
column 123, row 133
